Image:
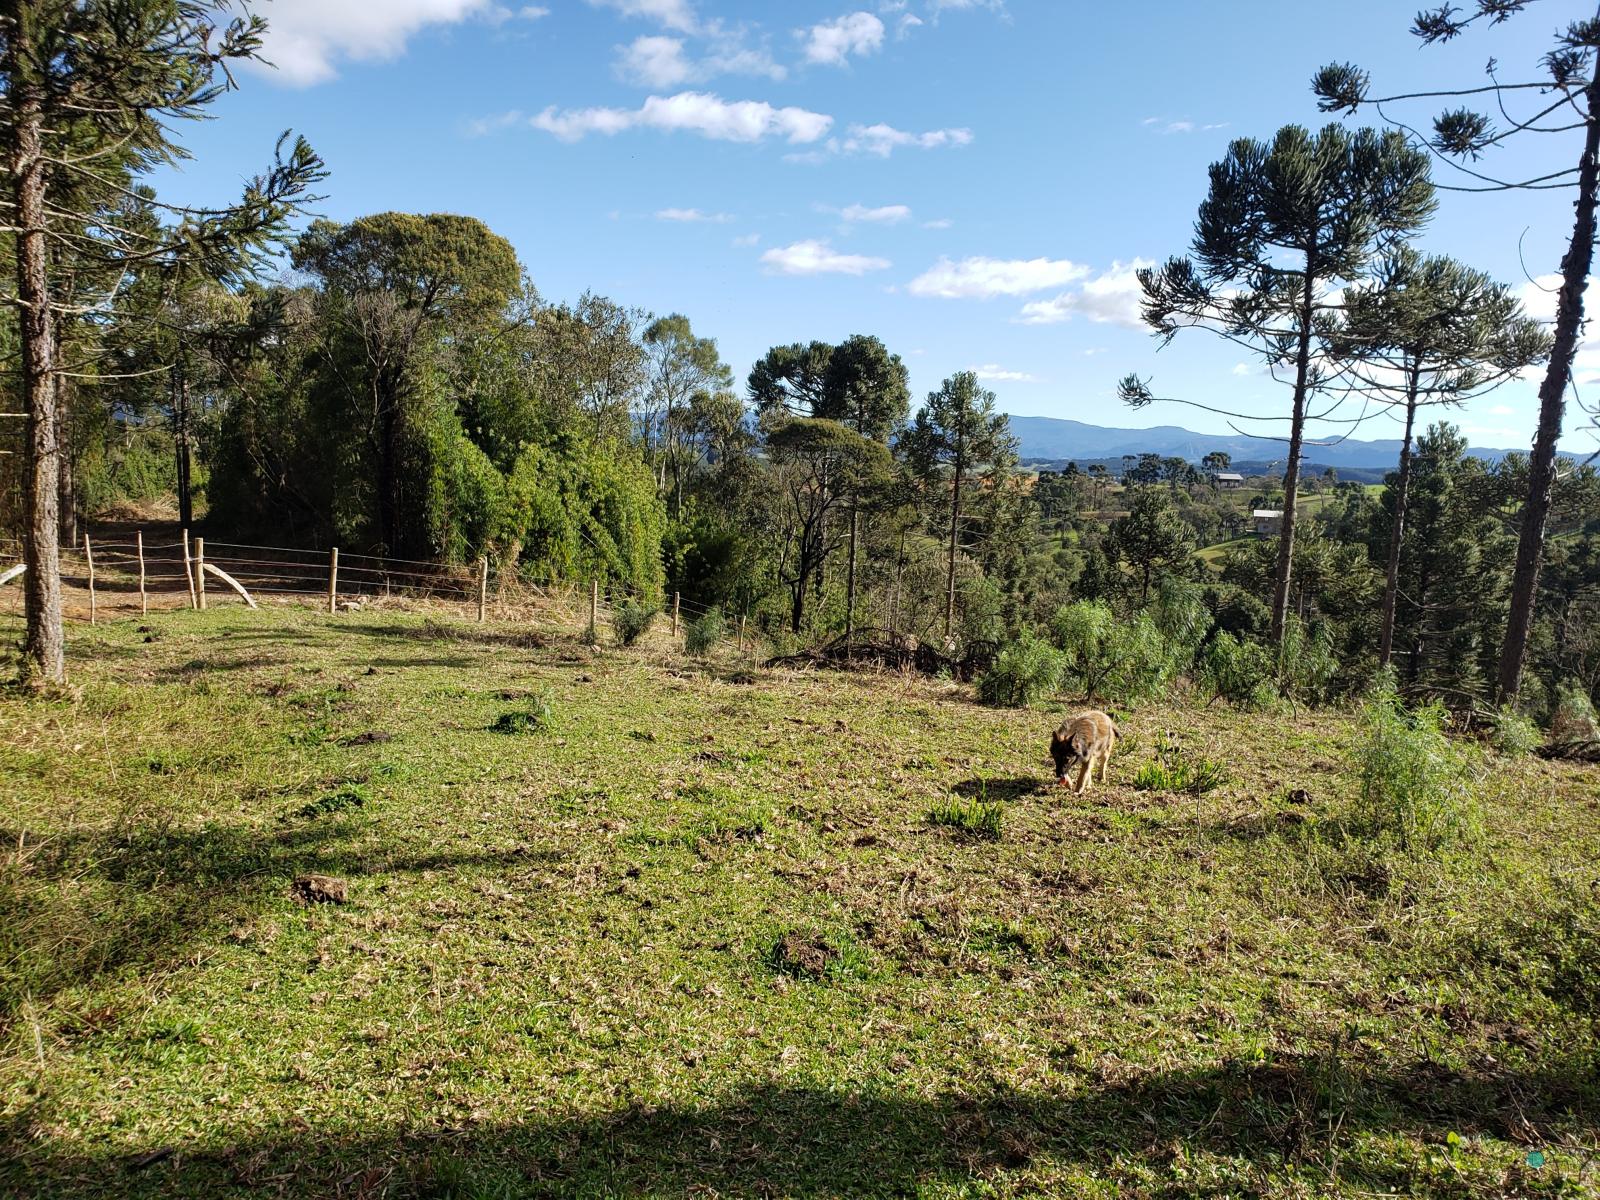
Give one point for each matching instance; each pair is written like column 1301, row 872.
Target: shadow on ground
column 770, row 1139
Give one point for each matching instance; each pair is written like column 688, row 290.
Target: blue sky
column 971, row 181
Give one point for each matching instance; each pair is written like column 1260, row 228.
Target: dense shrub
column 1573, row 719
column 1240, row 672
column 1416, row 787
column 1306, row 662
column 631, row 620
column 1513, row 734
column 1024, row 672
column 704, row 633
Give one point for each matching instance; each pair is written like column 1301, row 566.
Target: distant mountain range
column 1052, row 439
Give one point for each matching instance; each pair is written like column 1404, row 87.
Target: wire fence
column 105, row 575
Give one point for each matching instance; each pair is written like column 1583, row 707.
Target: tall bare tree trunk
column 955, row 530
column 1552, row 410
column 1402, row 492
column 1291, row 472
column 44, row 645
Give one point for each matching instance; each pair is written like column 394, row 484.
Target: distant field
column 699, row 936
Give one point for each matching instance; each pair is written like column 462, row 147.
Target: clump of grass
column 351, row 796
column 1513, row 734
column 978, row 819
column 704, row 633
column 807, row 954
column 538, row 716
column 1416, row 787
column 1573, row 719
column 1173, row 771
column 632, row 620
column 1025, row 671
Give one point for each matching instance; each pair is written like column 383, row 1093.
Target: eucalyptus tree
column 682, row 366
column 89, row 93
column 1284, row 226
column 1424, row 332
column 958, row 430
column 1564, row 96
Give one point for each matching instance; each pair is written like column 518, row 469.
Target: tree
column 682, row 367
column 1215, row 463
column 866, row 388
column 392, row 283
column 1568, row 99
column 1425, row 332
column 89, row 91
column 1151, row 539
column 957, row 429
column 792, row 380
column 1283, row 227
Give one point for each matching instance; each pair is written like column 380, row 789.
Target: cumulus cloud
column 985, row 278
column 818, row 258
column 995, row 373
column 833, row 42
column 673, row 14
column 307, row 39
column 692, row 215
column 661, row 61
column 1110, row 298
column 700, row 113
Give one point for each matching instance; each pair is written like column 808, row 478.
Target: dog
column 1086, row 739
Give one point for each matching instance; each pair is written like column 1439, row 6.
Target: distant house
column 1228, row 480
column 1268, row 521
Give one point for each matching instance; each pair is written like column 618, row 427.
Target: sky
column 973, row 181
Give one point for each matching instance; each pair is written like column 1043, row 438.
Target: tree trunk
column 180, row 438
column 1552, row 410
column 66, row 475
column 44, row 645
column 1291, row 473
column 850, row 581
column 950, row 575
column 1402, row 489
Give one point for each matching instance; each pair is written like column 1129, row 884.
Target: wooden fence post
column 144, row 598
column 675, row 599
column 200, row 573
column 188, row 571
column 88, row 553
column 333, row 579
column 483, row 588
column 741, row 635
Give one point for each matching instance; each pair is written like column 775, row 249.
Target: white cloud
column 1182, row 125
column 940, row 223
column 887, row 214
column 691, row 215
column 906, row 23
column 307, row 39
column 1110, row 298
column 747, row 239
column 996, row 373
column 819, row 258
column 660, row 61
column 832, row 42
column 1501, row 410
column 673, row 14
column 985, row 278
column 883, row 140
column 691, row 112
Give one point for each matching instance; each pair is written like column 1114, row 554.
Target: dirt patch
column 319, row 889
column 801, row 954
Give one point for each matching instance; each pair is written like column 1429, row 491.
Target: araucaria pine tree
column 1561, row 99
column 89, row 92
column 1285, row 225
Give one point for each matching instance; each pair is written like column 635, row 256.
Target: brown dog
column 1086, row 739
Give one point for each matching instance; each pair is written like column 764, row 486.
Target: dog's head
column 1067, row 750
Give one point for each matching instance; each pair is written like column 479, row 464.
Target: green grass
column 699, row 936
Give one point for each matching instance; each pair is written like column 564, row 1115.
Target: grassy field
column 688, row 929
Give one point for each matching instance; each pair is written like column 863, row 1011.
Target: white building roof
column 1266, row 512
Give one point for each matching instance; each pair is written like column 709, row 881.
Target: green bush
column 978, row 819
column 1240, row 672
column 1173, row 771
column 1306, row 662
column 1131, row 659
column 704, row 633
column 1416, row 787
column 1024, row 672
column 1573, row 719
column 1513, row 734
column 632, row 620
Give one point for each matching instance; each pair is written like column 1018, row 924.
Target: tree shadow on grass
column 1267, row 1121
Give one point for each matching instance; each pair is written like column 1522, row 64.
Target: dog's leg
column 1084, row 776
